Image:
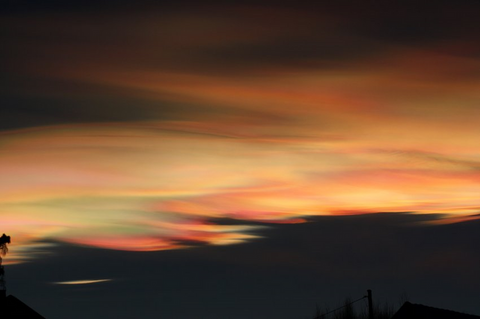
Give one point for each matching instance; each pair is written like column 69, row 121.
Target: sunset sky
column 240, row 149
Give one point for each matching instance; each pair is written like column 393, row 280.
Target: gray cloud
column 42, row 44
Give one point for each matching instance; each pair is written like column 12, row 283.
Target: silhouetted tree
column 349, row 311
column 4, row 240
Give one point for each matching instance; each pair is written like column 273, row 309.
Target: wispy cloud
column 150, row 186
column 82, row 282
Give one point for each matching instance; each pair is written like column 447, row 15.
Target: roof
column 414, row 311
column 12, row 308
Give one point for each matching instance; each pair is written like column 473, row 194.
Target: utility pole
column 370, row 304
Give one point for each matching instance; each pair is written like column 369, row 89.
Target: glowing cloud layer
column 165, row 185
column 255, row 114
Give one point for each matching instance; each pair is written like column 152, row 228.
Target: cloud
column 82, row 282
column 134, row 128
column 156, row 186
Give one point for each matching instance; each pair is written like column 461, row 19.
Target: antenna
column 4, row 240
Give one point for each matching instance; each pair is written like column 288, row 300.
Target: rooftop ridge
column 411, row 310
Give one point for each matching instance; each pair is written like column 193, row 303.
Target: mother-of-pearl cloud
column 144, row 186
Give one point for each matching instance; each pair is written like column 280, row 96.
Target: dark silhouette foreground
column 11, row 307
column 414, row 311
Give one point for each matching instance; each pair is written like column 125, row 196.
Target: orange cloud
column 162, row 185
column 394, row 132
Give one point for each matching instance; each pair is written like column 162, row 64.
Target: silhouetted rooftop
column 414, row 311
column 13, row 308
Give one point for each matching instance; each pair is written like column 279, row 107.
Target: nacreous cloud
column 159, row 185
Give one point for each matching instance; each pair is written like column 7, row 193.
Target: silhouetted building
column 416, row 311
column 13, row 308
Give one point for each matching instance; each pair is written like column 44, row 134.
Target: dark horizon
column 283, row 275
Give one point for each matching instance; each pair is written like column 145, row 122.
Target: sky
column 239, row 159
